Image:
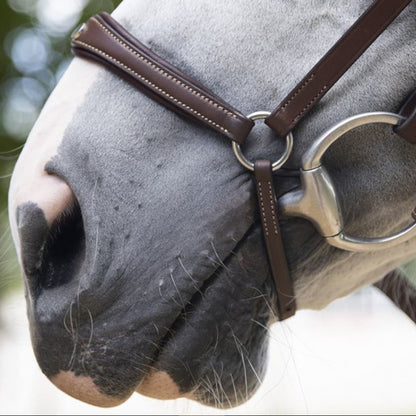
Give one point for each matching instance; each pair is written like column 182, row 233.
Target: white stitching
column 152, row 84
column 263, row 212
column 272, row 210
column 307, row 106
column 163, row 72
column 291, row 98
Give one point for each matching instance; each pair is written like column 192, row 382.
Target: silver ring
column 312, row 157
column 248, row 164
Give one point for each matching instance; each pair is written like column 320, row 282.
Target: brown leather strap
column 407, row 129
column 286, row 303
column 334, row 64
column 104, row 40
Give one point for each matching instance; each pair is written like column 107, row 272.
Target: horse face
column 137, row 230
column 134, row 256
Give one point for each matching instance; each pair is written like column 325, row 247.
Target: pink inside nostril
column 49, row 192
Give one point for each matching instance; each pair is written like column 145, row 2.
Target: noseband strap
column 104, row 40
column 286, row 303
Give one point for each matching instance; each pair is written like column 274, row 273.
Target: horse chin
column 156, row 384
column 159, row 385
column 213, row 353
column 218, row 342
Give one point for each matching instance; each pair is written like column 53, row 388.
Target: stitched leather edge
column 334, row 64
column 108, row 42
column 286, row 302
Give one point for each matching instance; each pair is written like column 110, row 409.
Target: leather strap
column 104, row 40
column 334, row 64
column 286, row 303
column 407, row 129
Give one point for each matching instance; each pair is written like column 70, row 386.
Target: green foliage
column 34, row 52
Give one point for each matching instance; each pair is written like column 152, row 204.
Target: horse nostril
column 52, row 245
column 50, row 255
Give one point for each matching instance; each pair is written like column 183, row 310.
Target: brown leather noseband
column 103, row 39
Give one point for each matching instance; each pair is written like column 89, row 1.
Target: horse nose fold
column 50, row 231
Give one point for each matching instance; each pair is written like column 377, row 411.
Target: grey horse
column 137, row 230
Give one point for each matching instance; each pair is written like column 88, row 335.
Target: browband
column 101, row 38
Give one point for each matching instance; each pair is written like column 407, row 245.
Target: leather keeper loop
column 286, row 302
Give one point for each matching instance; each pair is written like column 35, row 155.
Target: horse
column 137, row 230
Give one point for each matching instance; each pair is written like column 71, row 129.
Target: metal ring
column 312, row 157
column 248, row 164
column 317, row 199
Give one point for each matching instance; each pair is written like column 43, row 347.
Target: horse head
column 137, row 230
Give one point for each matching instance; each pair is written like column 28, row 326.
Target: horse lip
column 164, row 338
column 155, row 376
column 160, row 385
column 83, row 388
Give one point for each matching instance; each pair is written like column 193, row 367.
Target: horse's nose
column 50, row 193
column 47, row 226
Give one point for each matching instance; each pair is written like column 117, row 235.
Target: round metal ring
column 312, row 157
column 248, row 164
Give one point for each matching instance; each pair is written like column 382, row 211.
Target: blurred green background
column 34, row 53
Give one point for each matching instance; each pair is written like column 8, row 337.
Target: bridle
column 101, row 38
